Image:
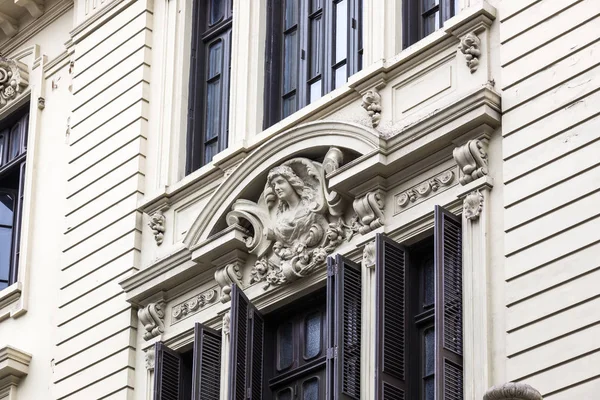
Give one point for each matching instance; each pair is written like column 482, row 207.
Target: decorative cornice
column 470, row 46
column 149, row 359
column 512, row 391
column 152, row 318
column 157, row 225
column 369, row 209
column 193, row 305
column 368, row 259
column 472, row 159
column 14, row 78
column 371, row 101
column 473, row 205
column 14, row 364
column 424, row 189
column 226, row 276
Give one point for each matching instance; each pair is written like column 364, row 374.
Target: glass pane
column 289, row 106
column 217, row 9
column 210, row 150
column 5, row 244
column 2, row 147
column 285, row 394
column 15, row 142
column 431, row 23
column 315, row 49
column 340, row 76
column 341, row 30
column 312, row 335
column 429, row 4
column 213, row 109
column 429, row 351
column 215, row 59
column 429, row 283
column 310, row 389
column 290, row 62
column 429, row 388
column 316, row 90
column 7, row 208
column 286, row 345
column 291, row 13
column 315, row 5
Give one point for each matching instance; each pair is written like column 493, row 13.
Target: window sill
column 8, row 297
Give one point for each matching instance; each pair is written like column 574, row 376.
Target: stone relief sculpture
column 13, row 80
column 473, row 205
column 368, row 259
column 297, row 221
column 470, row 46
column 472, row 160
column 193, row 305
column 157, row 225
column 152, row 318
column 512, row 391
column 371, row 102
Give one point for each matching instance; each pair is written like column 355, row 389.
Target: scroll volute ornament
column 512, row 391
column 13, row 80
column 472, row 159
column 297, row 222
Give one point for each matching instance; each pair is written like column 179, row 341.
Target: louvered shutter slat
column 206, row 377
column 448, row 306
column 344, row 328
column 168, row 368
column 391, row 276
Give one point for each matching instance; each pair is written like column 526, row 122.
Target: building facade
column 269, row 199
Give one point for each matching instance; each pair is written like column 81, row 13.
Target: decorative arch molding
column 320, row 134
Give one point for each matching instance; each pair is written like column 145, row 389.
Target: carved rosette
column 227, row 276
column 472, row 160
column 193, row 305
column 297, row 221
column 512, row 391
column 368, row 259
column 157, row 225
column 473, row 205
column 227, row 323
column 149, row 359
column 152, row 318
column 425, row 189
column 470, row 46
column 13, row 80
column 369, row 209
column 371, row 102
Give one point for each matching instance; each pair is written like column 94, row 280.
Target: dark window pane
column 285, row 394
column 7, row 208
column 291, row 13
column 312, row 335
column 429, row 388
column 316, row 46
column 431, row 23
column 341, row 30
column 315, row 5
column 340, row 76
column 209, row 152
column 286, row 345
column 5, row 253
column 3, row 137
column 290, row 62
column 429, row 282
column 429, row 351
column 217, row 9
column 215, row 59
column 316, row 90
column 289, row 106
column 213, row 109
column 429, row 4
column 310, row 389
column 15, row 142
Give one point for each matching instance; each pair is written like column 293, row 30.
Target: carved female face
column 283, row 189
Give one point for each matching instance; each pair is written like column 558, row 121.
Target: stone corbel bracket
column 470, row 46
column 193, row 305
column 35, row 8
column 472, row 160
column 229, row 271
column 371, row 98
column 152, row 318
column 369, row 209
column 512, row 391
column 14, row 78
column 158, row 222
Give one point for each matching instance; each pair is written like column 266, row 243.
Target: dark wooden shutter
column 344, row 328
column 448, row 306
column 391, row 319
column 168, row 373
column 246, row 353
column 206, row 376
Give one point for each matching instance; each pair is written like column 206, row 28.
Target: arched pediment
column 298, row 140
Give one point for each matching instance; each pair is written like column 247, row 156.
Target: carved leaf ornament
column 13, row 80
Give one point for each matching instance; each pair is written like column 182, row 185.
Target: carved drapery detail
column 368, row 259
column 424, row 189
column 157, row 225
column 470, row 46
column 369, row 209
column 152, row 318
column 472, row 160
column 227, row 276
column 227, row 323
column 371, row 102
column 512, row 391
column 14, row 78
column 297, row 221
column 149, row 359
column 193, row 305
column 473, row 205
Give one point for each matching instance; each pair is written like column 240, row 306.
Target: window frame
column 414, row 14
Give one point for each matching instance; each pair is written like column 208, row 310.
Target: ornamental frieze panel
column 296, row 222
column 193, row 305
column 425, row 189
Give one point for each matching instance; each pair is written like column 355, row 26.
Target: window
column 208, row 112
column 13, row 142
column 423, row 17
column 313, row 47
